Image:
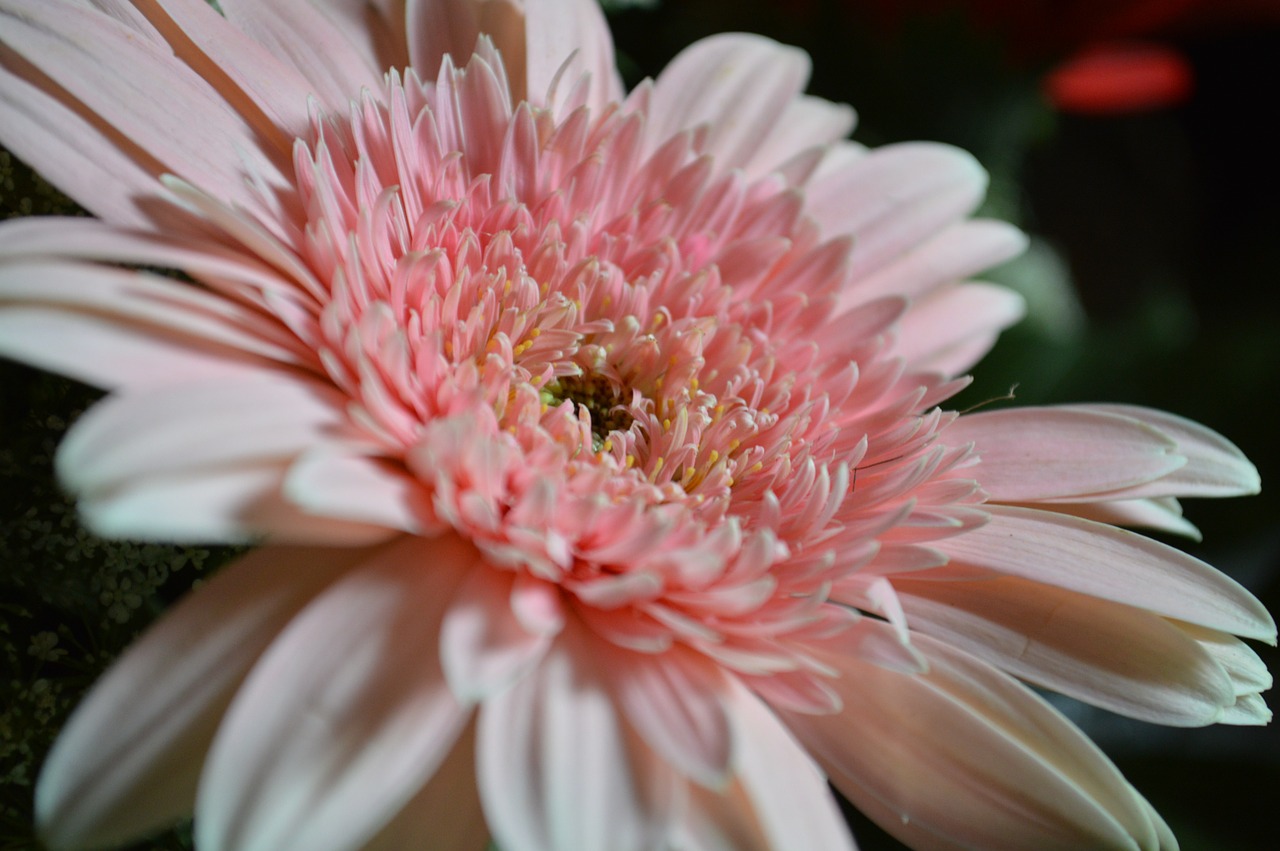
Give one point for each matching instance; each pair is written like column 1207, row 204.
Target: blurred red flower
column 1107, row 56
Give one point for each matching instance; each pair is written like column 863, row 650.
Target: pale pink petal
column 893, row 197
column 566, row 39
column 483, row 646
column 106, row 353
column 965, row 757
column 1113, row 564
column 446, row 814
column 345, row 717
column 952, row 329
column 1163, row 514
column 1215, row 466
column 128, row 760
column 440, row 28
column 1032, row 454
column 359, row 488
column 300, row 33
column 1114, row 656
column 213, row 263
column 787, row 790
column 676, row 701
column 190, row 130
column 735, row 85
column 378, row 29
column 236, row 505
column 262, row 86
column 211, row 423
column 807, row 124
column 78, row 153
column 956, row 252
column 140, row 302
column 557, row 771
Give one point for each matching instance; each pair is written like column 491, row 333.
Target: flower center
column 595, row 397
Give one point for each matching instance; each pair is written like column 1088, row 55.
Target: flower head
column 594, row 444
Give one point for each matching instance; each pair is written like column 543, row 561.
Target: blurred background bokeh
column 1134, row 141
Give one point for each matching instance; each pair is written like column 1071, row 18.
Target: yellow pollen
column 734, row 444
column 535, row 333
column 657, row 468
column 713, row 458
column 666, row 425
column 607, row 447
column 756, row 467
column 631, row 461
column 693, row 384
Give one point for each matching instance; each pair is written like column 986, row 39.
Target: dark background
column 1152, row 280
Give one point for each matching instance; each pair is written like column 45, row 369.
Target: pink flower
column 593, row 442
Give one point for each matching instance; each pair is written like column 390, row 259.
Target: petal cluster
column 593, row 442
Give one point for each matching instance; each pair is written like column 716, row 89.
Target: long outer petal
column 558, row 768
column 301, row 34
column 1114, row 656
column 965, row 757
column 129, row 758
column 566, row 39
column 212, row 423
column 190, row 130
column 1032, row 454
column 1114, row 564
column 787, row 789
column 734, row 84
column 345, row 717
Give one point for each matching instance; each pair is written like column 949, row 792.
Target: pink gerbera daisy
column 594, row 446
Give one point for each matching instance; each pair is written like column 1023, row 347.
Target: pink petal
column 952, row 329
column 1215, row 466
column 236, row 505
column 787, row 790
column 79, row 154
column 345, row 717
column 1161, row 513
column 276, row 91
column 106, row 354
column 219, row 267
column 959, row 251
column 143, row 304
column 1033, row 454
column 676, row 701
column 349, row 486
column 566, row 39
column 440, row 28
column 1113, row 564
column 190, row 130
column 893, row 198
column 483, row 646
column 735, row 85
column 556, row 768
column 301, row 34
column 211, row 423
column 128, row 760
column 806, row 124
column 446, row 814
column 965, row 757
column 1104, row 653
